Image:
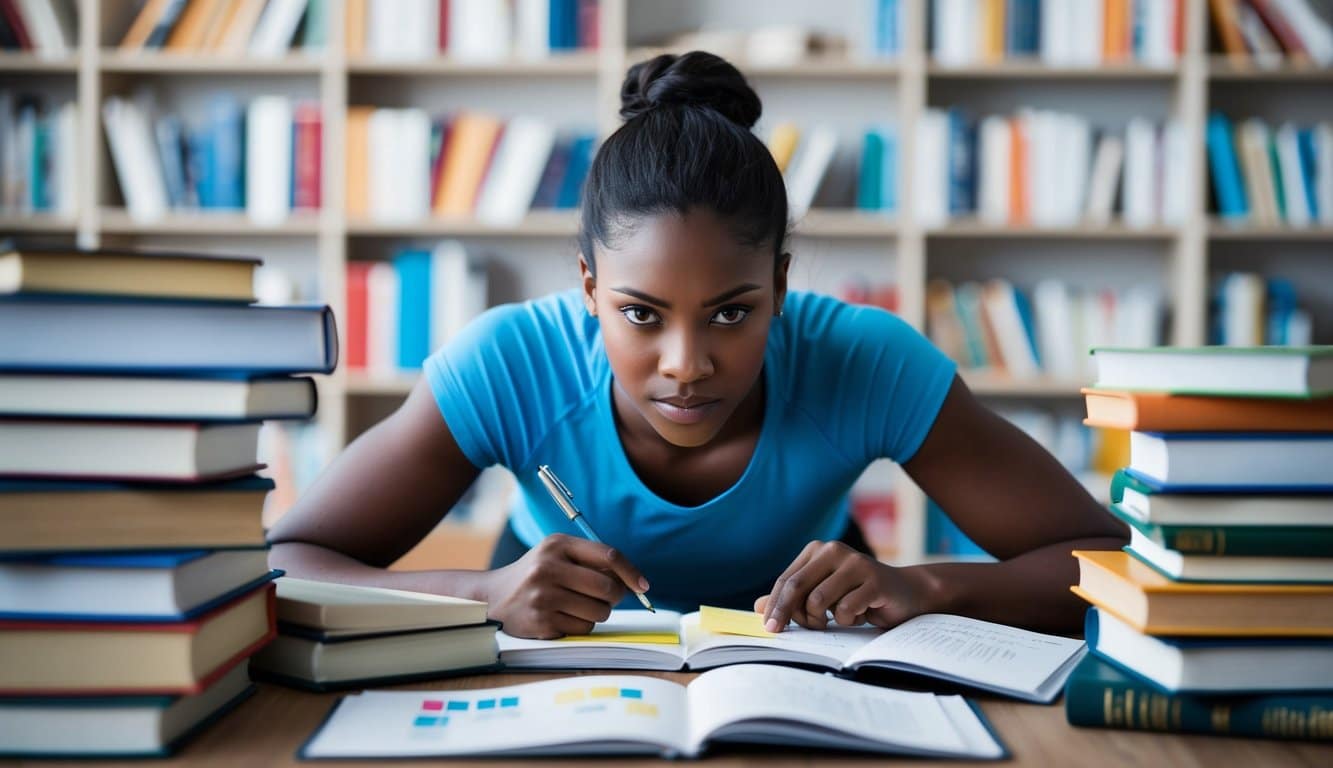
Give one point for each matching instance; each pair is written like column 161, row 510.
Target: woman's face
column 684, row 310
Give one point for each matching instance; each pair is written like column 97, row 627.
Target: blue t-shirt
column 530, row 384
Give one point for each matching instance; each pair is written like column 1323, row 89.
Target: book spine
column 414, row 308
column 306, row 151
column 1139, row 707
column 1225, row 168
column 1245, row 541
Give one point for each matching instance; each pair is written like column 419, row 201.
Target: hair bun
column 695, row 79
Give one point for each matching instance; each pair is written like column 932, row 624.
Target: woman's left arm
column 1008, row 494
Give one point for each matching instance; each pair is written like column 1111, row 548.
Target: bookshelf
column 830, row 243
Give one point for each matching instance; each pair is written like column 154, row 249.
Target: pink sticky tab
column 431, row 705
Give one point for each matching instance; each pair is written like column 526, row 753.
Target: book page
column 604, row 713
column 731, row 696
column 972, row 651
column 829, row 647
column 617, row 643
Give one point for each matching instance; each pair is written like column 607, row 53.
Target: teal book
column 1101, row 696
column 868, row 184
column 1235, row 540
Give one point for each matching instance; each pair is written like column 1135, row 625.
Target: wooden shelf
column 1035, row 69
column 362, row 383
column 833, row 222
column 1001, row 385
column 828, row 67
column 205, row 64
column 1222, row 68
column 541, row 223
column 118, row 221
column 1240, row 232
column 11, row 222
column 973, row 228
column 581, row 63
column 31, row 62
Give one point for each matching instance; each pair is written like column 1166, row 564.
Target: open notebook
column 1006, row 660
column 635, row 714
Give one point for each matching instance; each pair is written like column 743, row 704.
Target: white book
column 1086, row 31
column 128, row 587
column 1175, row 168
column 480, row 30
column 1075, row 158
column 1293, row 179
column 1095, row 312
column 532, row 36
column 1243, row 309
column 1001, row 308
column 458, row 291
column 127, row 451
column 1224, row 460
column 63, row 395
column 808, row 169
column 399, row 144
column 1055, row 330
column 402, row 30
column 116, row 726
column 1269, row 371
column 1222, row 509
column 48, row 35
column 1140, row 173
column 1044, row 190
column 65, row 162
column 25, row 139
column 1313, row 31
column 273, row 34
column 1056, row 33
column 1213, row 569
column 621, row 714
column 1260, row 186
column 1138, row 312
column 1158, row 50
column 10, row 178
column 135, row 159
column 1105, row 178
column 994, row 141
column 932, row 168
column 1324, row 172
column 382, row 298
column 525, row 146
column 956, row 31
column 268, row 160
column 383, row 22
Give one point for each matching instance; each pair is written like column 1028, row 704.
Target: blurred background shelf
column 207, row 223
column 204, row 64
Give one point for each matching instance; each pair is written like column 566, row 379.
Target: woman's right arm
column 391, row 486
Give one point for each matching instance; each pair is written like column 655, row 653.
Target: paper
column 726, row 621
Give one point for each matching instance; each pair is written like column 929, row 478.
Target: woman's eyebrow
column 640, row 295
column 664, row 304
column 731, row 294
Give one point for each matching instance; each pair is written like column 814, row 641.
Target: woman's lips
column 682, row 414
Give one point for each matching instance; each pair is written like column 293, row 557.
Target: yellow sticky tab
column 603, row 693
column 726, row 621
column 570, row 696
column 657, row 638
column 641, row 708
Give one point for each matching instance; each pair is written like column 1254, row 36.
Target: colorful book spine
column 1237, row 540
column 307, row 148
column 1225, row 167
column 414, row 308
column 576, row 172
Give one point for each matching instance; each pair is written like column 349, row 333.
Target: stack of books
column 134, row 581
column 1218, row 617
column 339, row 636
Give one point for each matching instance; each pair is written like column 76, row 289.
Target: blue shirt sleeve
column 884, row 381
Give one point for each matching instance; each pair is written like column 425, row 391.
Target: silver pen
column 565, row 500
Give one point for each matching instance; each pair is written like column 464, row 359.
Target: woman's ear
column 780, row 283
column 589, row 283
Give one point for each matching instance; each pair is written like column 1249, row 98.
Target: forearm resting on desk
column 311, row 561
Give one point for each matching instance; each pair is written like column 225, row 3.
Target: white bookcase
column 830, row 244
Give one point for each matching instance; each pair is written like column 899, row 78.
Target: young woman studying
column 707, row 421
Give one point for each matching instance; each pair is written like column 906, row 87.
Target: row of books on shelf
column 48, row 28
column 804, row 157
column 1252, row 310
column 1049, row 168
column 475, row 31
column 38, row 151
column 1085, row 33
column 1269, row 32
column 1268, row 176
column 263, row 157
column 1216, row 618
column 134, row 578
column 229, row 27
column 405, row 165
column 995, row 326
column 400, row 310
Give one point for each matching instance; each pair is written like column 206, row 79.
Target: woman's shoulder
column 816, row 323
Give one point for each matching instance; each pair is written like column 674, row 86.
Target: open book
column 1006, row 660
column 634, row 714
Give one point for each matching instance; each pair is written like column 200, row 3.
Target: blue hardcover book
column 40, row 166
column 1305, row 144
column 414, row 308
column 1029, row 323
column 576, row 172
column 199, row 167
column 548, row 188
column 868, row 184
column 1021, row 29
column 168, row 133
column 1227, row 186
column 962, row 164
column 1281, row 301
column 885, row 25
column 888, row 176
column 226, row 156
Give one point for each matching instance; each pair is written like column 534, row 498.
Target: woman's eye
column 730, row 315
column 639, row 315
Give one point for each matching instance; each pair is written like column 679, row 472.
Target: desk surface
column 267, row 729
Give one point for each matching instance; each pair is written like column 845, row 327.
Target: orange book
column 467, row 156
column 358, row 160
column 355, row 28
column 218, row 27
column 1115, row 30
column 992, row 30
column 143, row 25
column 188, row 34
column 1163, row 412
column 235, row 37
column 1133, row 592
column 1018, row 172
column 1226, row 20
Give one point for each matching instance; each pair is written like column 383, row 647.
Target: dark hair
column 686, row 143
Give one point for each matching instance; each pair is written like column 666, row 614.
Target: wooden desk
column 268, row 728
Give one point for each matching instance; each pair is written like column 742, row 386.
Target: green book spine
column 1101, row 696
column 1236, row 540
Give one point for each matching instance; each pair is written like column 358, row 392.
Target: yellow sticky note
column 570, row 696
column 659, row 638
column 603, row 692
column 641, row 708
column 726, row 621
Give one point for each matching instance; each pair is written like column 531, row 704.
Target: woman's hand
column 829, row 575
column 562, row 586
